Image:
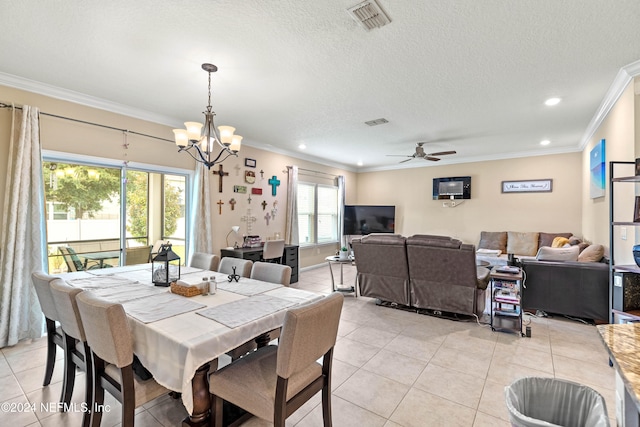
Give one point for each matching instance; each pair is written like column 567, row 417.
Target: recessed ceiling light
column 545, row 142
column 302, row 146
column 552, row 101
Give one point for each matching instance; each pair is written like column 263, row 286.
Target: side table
column 341, row 288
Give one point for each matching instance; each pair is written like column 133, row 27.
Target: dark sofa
column 577, row 289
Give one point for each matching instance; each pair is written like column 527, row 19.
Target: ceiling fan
column 419, row 153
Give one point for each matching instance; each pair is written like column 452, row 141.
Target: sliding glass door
column 100, row 216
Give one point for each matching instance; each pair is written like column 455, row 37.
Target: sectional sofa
column 435, row 273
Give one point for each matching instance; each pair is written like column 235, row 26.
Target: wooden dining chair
column 204, row 261
column 273, row 273
column 243, row 266
column 273, row 250
column 54, row 333
column 109, row 336
column 76, row 348
column 274, row 381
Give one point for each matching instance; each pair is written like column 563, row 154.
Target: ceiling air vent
column 369, row 14
column 376, row 122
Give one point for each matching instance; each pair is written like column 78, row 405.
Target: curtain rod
column 312, row 171
column 19, row 107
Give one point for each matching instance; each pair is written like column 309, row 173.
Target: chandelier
column 203, row 145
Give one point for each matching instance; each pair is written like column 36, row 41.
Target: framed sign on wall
column 528, row 186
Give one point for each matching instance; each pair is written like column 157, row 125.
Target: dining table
column 100, row 257
column 179, row 339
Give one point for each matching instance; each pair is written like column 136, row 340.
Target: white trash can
column 536, row 402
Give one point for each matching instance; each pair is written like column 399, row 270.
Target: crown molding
column 620, row 83
column 87, row 100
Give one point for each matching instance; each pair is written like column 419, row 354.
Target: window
column 86, row 211
column 317, row 213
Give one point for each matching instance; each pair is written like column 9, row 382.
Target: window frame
column 64, row 157
column 314, row 242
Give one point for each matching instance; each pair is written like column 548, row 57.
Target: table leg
column 341, row 274
column 333, row 284
column 201, row 400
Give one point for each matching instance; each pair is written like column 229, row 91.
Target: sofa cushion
column 559, row 242
column 593, row 253
column 546, row 239
column 493, row 240
column 547, row 253
column 522, row 243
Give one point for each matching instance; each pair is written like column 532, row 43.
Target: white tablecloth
column 174, row 348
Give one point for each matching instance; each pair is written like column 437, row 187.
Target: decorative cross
column 232, row 202
column 249, row 199
column 274, row 211
column 273, row 182
column 267, row 217
column 264, row 204
column 220, row 203
column 237, row 168
column 261, row 174
column 249, row 220
column 221, row 174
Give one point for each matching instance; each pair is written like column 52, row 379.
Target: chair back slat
column 308, row 333
column 107, row 329
column 41, row 282
column 204, row 261
column 273, row 249
column 269, row 272
column 243, row 266
column 64, row 297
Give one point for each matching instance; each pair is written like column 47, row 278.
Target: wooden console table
column 289, row 257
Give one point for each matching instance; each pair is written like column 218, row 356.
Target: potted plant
column 344, row 253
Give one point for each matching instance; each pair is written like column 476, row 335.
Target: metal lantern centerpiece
column 166, row 266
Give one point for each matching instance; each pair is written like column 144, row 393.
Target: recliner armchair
column 444, row 275
column 383, row 272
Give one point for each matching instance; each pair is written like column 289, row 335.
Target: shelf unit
column 624, row 279
column 506, row 309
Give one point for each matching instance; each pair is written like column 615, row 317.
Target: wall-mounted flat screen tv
column 366, row 219
column 456, row 187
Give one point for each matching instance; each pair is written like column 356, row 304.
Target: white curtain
column 202, row 229
column 341, row 199
column 23, row 241
column 291, row 226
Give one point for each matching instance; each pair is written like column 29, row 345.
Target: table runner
column 247, row 287
column 241, row 312
column 158, row 307
column 122, row 294
column 96, row 282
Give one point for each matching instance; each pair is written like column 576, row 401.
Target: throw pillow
column 545, row 239
column 546, row 253
column 519, row 243
column 593, row 253
column 496, row 240
column 559, row 242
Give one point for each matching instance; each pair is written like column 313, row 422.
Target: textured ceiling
column 470, row 74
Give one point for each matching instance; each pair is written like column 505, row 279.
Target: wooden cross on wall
column 220, row 174
column 232, row 202
column 274, row 182
column 220, row 203
column 264, row 204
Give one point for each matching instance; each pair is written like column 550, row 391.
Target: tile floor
column 391, row 368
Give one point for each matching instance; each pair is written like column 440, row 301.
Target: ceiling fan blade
column 398, row 155
column 433, row 159
column 441, row 153
column 403, row 161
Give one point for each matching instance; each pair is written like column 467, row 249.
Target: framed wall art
column 250, row 163
column 597, row 173
column 528, row 186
